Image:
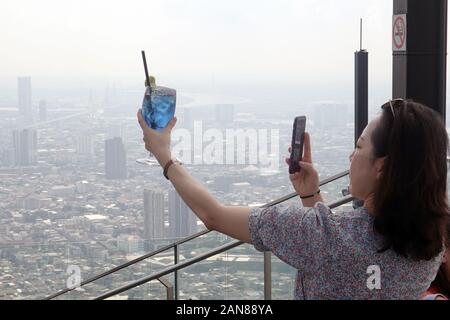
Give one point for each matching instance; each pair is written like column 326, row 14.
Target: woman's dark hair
column 442, row 281
column 410, row 200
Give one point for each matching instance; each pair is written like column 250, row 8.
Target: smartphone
column 298, row 137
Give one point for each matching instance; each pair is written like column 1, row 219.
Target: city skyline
column 62, row 211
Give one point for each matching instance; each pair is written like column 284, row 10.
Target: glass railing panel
column 202, row 244
column 237, row 274
column 283, row 280
column 38, row 270
column 35, row 271
column 121, row 277
column 31, row 271
column 152, row 290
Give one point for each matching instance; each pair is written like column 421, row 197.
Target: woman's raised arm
column 230, row 220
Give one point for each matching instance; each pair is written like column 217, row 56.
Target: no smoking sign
column 399, row 32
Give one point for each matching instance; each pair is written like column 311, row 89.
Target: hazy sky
column 283, row 40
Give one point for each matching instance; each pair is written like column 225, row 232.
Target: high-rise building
column 153, row 215
column 182, row 221
column 42, row 110
column 25, row 147
column 330, row 114
column 224, row 113
column 115, row 159
column 85, row 147
column 129, row 243
column 24, row 95
column 7, row 157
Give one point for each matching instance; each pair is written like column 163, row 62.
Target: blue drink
column 158, row 108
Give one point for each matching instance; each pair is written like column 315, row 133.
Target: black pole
column 361, row 98
column 361, row 90
column 420, row 66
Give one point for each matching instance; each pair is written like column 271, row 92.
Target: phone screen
column 298, row 137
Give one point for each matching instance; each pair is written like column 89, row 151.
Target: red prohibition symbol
column 399, row 32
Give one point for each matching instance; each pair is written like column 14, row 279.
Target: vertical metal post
column 168, row 286
column 361, row 90
column 361, row 96
column 175, row 274
column 420, row 64
column 267, row 276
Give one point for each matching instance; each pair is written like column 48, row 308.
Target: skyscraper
column 85, row 147
column 115, row 159
column 24, row 95
column 153, row 215
column 25, row 147
column 182, row 221
column 330, row 114
column 7, row 157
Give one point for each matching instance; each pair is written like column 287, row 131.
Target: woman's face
column 364, row 168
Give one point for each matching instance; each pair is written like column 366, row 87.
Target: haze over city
column 247, row 45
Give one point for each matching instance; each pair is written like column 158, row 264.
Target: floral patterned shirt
column 336, row 255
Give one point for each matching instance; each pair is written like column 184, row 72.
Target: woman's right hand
column 306, row 182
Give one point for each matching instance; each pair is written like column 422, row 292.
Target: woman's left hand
column 158, row 143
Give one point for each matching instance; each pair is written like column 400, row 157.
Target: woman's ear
column 379, row 165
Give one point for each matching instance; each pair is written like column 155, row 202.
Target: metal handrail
column 182, row 241
column 194, row 260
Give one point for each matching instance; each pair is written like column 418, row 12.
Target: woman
column 440, row 288
column 389, row 249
